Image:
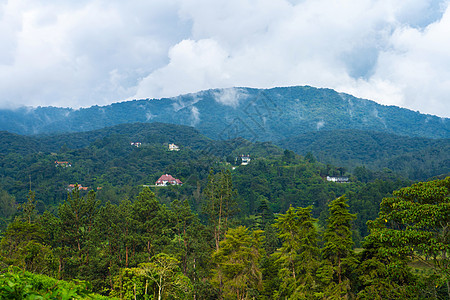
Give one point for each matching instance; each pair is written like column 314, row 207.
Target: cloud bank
column 82, row 53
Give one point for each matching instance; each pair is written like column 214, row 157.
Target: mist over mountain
column 254, row 114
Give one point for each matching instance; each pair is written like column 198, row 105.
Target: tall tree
column 337, row 252
column 78, row 236
column 220, row 202
column 383, row 275
column 164, row 272
column 154, row 223
column 298, row 256
column 238, row 274
column 29, row 208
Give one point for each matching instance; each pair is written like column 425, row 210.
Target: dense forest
column 81, row 218
column 415, row 158
column 142, row 249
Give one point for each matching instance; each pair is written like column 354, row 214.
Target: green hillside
column 119, row 235
column 105, row 161
column 415, row 158
column 223, row 114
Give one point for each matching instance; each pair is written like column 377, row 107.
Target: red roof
column 168, row 178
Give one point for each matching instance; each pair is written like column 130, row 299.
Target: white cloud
column 98, row 52
column 195, row 116
column 230, row 96
column 320, row 124
column 194, row 65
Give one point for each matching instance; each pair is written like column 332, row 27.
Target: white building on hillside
column 337, row 179
column 173, row 147
column 245, row 159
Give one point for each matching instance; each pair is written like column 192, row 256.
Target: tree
column 29, row 207
column 298, row 256
column 78, row 237
column 112, row 223
column 153, row 223
column 7, row 205
column 22, row 245
column 220, row 202
column 238, row 274
column 415, row 223
column 384, row 276
column 192, row 246
column 337, row 252
column 164, row 272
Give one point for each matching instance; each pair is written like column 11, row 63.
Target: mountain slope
column 105, row 158
column 104, row 161
column 415, row 158
column 255, row 114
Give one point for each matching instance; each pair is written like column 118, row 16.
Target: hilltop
column 254, row 114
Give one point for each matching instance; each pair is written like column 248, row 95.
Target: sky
column 83, row 53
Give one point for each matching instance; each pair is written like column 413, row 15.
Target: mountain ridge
column 254, row 114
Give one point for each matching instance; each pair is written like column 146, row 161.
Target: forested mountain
column 254, row 114
column 117, row 234
column 105, row 158
column 240, row 225
column 415, row 158
column 105, row 161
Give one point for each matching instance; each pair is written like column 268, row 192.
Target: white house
column 173, row 147
column 245, row 159
column 337, row 179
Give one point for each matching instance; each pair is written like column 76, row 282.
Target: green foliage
column 77, row 235
column 298, row 256
column 415, row 223
column 114, row 238
column 339, row 259
column 411, row 157
column 238, row 274
column 160, row 278
column 220, row 203
column 23, row 245
column 365, row 200
column 383, row 276
column 18, row 284
column 7, row 208
column 29, row 208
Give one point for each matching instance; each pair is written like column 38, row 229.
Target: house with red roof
column 63, row 164
column 80, row 187
column 167, row 179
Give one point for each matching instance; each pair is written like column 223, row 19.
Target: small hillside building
column 245, row 159
column 167, row 179
column 80, row 187
column 63, row 164
column 173, row 147
column 136, row 144
column 337, row 179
